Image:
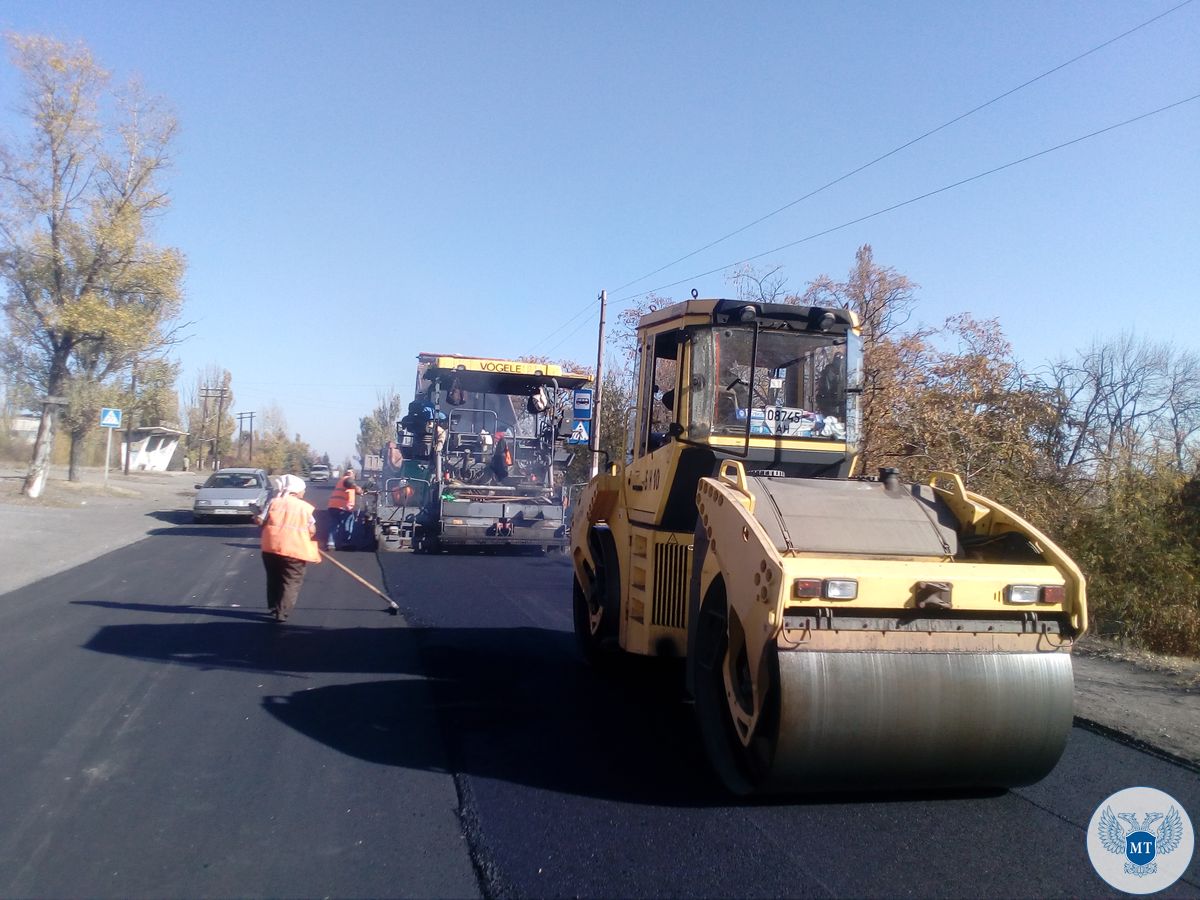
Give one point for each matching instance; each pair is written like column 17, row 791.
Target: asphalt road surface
column 159, row 736
column 162, row 738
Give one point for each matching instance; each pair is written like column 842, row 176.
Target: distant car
column 231, row 494
column 319, row 472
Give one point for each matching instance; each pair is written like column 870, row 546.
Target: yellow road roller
column 840, row 632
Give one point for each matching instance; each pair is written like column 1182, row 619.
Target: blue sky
column 358, row 182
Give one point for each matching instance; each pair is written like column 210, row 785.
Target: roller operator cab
column 840, row 632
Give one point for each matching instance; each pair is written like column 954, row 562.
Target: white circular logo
column 1140, row 840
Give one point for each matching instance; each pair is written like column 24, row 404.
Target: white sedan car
column 231, row 494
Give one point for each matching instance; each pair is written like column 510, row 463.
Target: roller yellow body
column 839, row 632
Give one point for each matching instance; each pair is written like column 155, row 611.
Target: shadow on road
column 176, row 608
column 183, row 525
column 513, row 704
column 172, row 516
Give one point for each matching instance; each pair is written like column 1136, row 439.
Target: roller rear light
column 1053, row 593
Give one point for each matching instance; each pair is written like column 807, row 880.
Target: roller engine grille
column 672, row 573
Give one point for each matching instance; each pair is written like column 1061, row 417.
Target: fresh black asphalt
column 158, row 735
column 583, row 785
column 160, row 738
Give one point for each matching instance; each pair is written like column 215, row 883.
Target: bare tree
column 768, row 287
column 380, row 426
column 1124, row 403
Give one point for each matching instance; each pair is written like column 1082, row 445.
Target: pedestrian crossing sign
column 579, row 432
column 110, row 418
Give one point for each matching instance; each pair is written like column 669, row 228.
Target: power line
column 912, row 200
column 857, row 170
column 581, row 312
column 570, row 333
column 906, row 145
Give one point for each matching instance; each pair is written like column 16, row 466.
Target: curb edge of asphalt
column 1136, row 743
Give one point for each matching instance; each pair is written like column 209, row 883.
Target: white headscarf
column 290, row 484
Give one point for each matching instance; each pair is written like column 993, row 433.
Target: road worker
column 341, row 509
column 289, row 531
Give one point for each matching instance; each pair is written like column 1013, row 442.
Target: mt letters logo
column 1140, row 840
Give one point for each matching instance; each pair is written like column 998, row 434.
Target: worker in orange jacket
column 341, row 508
column 288, row 532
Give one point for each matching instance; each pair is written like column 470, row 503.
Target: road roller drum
column 898, row 721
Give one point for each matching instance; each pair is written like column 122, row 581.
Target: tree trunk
column 39, row 466
column 77, row 438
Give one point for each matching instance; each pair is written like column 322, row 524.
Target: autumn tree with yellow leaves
column 88, row 293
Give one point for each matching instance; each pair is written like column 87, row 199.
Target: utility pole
column 240, row 418
column 129, row 416
column 597, row 389
column 217, row 442
column 201, row 441
column 217, row 394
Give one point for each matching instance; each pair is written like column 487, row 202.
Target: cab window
column 798, row 389
column 660, row 369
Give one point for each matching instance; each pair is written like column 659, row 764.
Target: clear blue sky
column 356, row 182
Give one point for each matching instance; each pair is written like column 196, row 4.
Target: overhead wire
column 586, row 309
column 863, row 167
column 569, row 334
column 905, row 145
column 916, row 199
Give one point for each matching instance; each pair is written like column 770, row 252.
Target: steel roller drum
column 914, row 720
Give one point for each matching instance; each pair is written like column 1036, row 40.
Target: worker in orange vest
column 289, row 530
column 341, row 508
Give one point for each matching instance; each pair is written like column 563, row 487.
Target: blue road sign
column 583, row 403
column 580, row 433
column 109, row 417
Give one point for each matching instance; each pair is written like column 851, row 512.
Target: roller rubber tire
column 597, row 630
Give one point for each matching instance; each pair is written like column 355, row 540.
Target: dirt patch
column 1149, row 698
column 1182, row 671
column 91, row 489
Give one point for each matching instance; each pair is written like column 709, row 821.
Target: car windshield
column 233, row 480
column 799, row 388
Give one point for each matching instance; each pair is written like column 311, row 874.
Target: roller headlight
column 1026, row 594
column 828, row 589
column 840, row 589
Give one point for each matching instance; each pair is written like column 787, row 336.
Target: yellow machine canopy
column 496, row 376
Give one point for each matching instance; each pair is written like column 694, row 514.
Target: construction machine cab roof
column 497, row 376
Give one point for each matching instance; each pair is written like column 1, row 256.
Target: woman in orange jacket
column 289, row 530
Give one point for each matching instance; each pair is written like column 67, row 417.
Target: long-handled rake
column 393, row 609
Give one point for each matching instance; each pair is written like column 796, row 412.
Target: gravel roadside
column 76, row 522
column 1149, row 700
